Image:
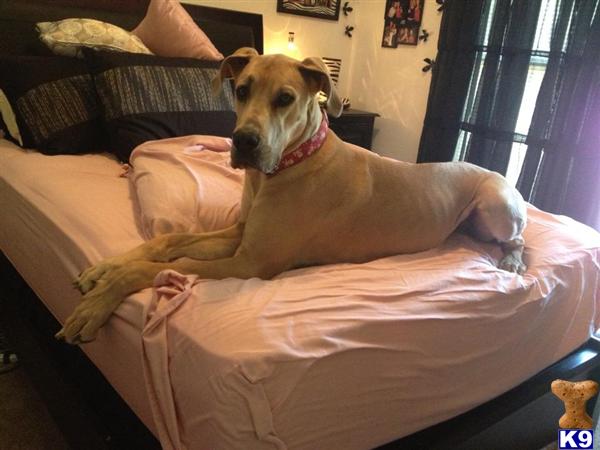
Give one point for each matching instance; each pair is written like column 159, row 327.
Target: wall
column 382, row 80
column 390, row 81
column 313, row 37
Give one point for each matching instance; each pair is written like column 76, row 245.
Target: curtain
column 493, row 106
column 561, row 171
column 530, row 104
column 451, row 76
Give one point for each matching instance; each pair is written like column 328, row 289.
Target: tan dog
column 341, row 204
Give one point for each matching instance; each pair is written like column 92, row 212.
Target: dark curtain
column 492, row 112
column 561, row 172
column 474, row 105
column 450, row 79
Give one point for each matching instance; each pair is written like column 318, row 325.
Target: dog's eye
column 241, row 93
column 284, row 99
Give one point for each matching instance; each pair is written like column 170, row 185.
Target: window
column 537, row 67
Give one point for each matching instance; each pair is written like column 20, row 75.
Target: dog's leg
column 99, row 303
column 513, row 256
column 501, row 214
column 204, row 246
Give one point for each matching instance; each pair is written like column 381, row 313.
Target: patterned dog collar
column 305, row 149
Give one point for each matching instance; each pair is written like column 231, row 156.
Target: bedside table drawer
column 355, row 127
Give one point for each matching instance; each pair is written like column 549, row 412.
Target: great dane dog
column 309, row 198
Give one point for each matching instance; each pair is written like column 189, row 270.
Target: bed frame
column 92, row 415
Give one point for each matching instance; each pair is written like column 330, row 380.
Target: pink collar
column 305, row 149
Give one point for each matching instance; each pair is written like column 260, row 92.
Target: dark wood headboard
column 228, row 30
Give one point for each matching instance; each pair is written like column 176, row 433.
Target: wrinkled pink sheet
column 340, row 356
column 355, row 355
column 59, row 215
column 185, row 184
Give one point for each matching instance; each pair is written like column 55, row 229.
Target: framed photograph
column 406, row 15
column 334, row 66
column 408, row 35
column 322, row 9
column 390, row 35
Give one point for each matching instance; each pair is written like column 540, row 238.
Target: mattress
column 341, row 356
column 58, row 214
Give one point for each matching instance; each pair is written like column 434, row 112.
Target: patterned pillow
column 149, row 97
column 54, row 102
column 8, row 121
column 67, row 37
column 4, row 134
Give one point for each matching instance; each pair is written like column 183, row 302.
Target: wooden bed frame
column 89, row 411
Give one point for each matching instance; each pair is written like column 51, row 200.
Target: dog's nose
column 245, row 141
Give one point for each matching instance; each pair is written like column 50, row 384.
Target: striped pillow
column 54, row 103
column 149, row 97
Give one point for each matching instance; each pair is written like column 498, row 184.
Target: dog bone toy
column 575, row 395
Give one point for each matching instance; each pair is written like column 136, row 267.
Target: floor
column 25, row 423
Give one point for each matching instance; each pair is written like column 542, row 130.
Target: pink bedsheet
column 352, row 356
column 59, row 214
column 185, row 184
column 340, row 356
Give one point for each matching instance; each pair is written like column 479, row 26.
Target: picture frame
column 402, row 22
column 321, row 9
column 390, row 35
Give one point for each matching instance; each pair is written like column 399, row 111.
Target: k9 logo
column 575, row 439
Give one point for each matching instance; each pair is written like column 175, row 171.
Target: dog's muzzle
column 246, row 149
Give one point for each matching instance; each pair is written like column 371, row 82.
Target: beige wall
column 390, row 81
column 387, row 81
column 313, row 37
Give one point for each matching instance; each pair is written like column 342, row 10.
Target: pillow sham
column 3, row 130
column 67, row 37
column 8, row 122
column 169, row 30
column 148, row 97
column 54, row 103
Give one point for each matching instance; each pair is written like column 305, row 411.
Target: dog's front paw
column 87, row 279
column 511, row 263
column 83, row 324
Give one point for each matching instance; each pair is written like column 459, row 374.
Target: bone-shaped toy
column 575, row 395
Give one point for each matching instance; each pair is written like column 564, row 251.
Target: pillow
column 67, row 37
column 54, row 102
column 185, row 184
column 8, row 121
column 149, row 97
column 3, row 130
column 168, row 30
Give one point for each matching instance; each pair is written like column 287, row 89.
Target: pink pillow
column 168, row 30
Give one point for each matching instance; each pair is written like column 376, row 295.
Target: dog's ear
column 317, row 76
column 233, row 65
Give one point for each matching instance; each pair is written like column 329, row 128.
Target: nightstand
column 354, row 126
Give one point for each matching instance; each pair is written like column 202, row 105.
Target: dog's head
column 275, row 99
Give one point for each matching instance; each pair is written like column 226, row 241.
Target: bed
column 434, row 350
